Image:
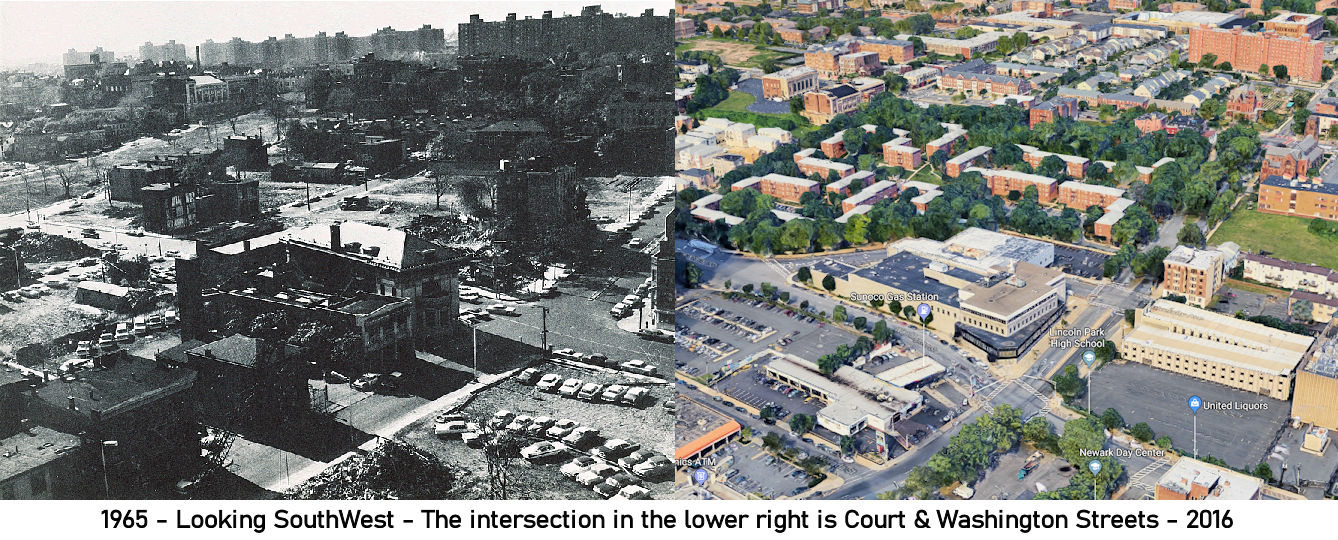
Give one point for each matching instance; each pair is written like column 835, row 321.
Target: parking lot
column 1315, row 472
column 756, row 471
column 1138, row 392
column 748, row 387
column 1002, row 483
column 709, row 337
column 1080, row 262
column 646, row 425
column 1251, row 303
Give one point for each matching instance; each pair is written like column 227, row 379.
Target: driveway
column 762, row 105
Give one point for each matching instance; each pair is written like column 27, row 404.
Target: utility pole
column 543, row 336
column 475, row 329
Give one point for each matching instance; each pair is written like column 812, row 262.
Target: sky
column 39, row 32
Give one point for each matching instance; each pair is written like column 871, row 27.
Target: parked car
column 529, row 376
column 590, row 391
column 561, row 429
column 639, row 367
column 543, row 450
column 635, row 396
column 614, row 449
column 474, row 439
column 631, row 493
column 141, row 326
column 570, row 387
column 85, row 349
column 655, row 467
column 539, row 425
column 454, row 429
column 613, row 393
column 576, row 466
column 581, row 436
column 124, row 335
column 596, row 474
column 635, row 458
column 450, row 417
column 502, row 309
column 549, row 382
column 501, row 418
column 156, row 323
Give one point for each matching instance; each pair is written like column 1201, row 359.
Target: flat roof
column 855, row 395
column 124, row 386
column 235, row 349
column 698, row 426
column 905, row 271
column 1007, row 294
column 33, row 448
column 795, row 180
column 1200, row 259
column 1225, row 484
column 1092, row 188
column 1252, row 346
column 912, row 372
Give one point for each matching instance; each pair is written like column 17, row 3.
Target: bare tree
column 500, row 454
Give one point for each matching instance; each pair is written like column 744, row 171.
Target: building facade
column 1246, row 51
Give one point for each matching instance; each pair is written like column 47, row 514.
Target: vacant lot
column 734, row 53
column 1285, row 236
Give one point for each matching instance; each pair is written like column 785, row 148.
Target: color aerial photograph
column 1006, row 250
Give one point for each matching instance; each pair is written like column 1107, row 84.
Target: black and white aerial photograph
column 336, row 250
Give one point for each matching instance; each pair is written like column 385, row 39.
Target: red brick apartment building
column 1292, row 160
column 1246, row 51
column 785, row 188
column 871, row 194
column 1053, row 109
column 821, row 105
column 1123, row 5
column 1311, row 199
column 859, row 63
column 792, row 35
column 1003, row 181
column 1079, row 196
column 954, row 167
column 995, row 85
column 899, row 153
column 1073, row 165
column 889, row 50
column 1150, row 122
column 835, row 146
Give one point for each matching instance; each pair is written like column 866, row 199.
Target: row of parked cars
column 574, row 388
column 125, row 332
column 639, row 367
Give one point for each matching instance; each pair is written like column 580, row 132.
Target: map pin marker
column 700, row 476
column 1088, row 357
column 1094, row 466
column 1195, row 403
column 923, row 311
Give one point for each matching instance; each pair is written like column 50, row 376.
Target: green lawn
column 926, row 174
column 1285, row 236
column 735, row 108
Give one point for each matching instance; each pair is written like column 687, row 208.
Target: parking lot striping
column 648, row 354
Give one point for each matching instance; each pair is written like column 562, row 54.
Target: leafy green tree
column 828, row 282
column 1263, row 471
column 1142, row 431
column 1040, row 433
column 1164, row 442
column 1111, row 419
column 1080, row 434
column 693, row 273
column 804, row 274
column 801, row 423
column 839, row 313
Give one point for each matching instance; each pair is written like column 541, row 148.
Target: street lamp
column 106, row 483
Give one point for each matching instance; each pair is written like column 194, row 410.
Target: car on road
column 598, row 359
column 590, row 391
column 570, row 387
column 450, row 417
column 90, row 233
column 576, row 466
column 503, row 309
column 172, row 254
column 568, row 354
column 549, row 382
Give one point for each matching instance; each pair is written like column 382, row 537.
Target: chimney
column 197, row 57
column 334, row 236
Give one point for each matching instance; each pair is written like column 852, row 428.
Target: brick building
column 1246, row 51
column 871, row 194
column 899, row 152
column 859, row 63
column 1297, row 197
column 1195, row 274
column 1296, row 25
column 1150, row 122
column 789, row 82
column 1075, row 166
column 894, row 51
column 821, row 105
column 969, row 158
column 1001, row 182
column 782, row 187
column 1291, row 161
column 1080, row 196
column 1052, row 110
column 953, row 81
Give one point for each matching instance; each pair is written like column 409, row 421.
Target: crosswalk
column 1136, row 479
